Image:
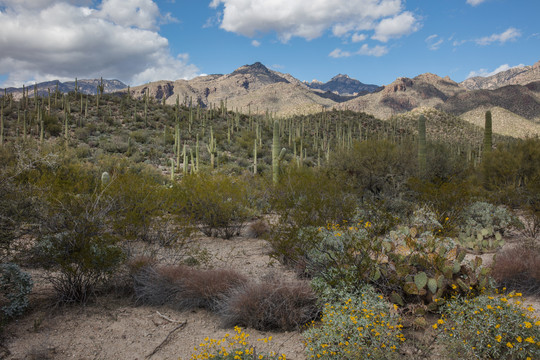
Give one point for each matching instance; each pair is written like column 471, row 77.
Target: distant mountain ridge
column 515, row 76
column 344, row 85
column 85, row 86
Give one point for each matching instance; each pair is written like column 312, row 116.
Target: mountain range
column 84, row 86
column 512, row 95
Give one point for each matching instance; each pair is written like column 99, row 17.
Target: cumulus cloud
column 365, row 50
column 338, row 53
column 47, row 39
column 358, row 37
column 475, row 2
column 310, row 19
column 485, row 72
column 511, row 34
column 395, row 27
column 377, row 50
column 256, row 43
column 434, row 42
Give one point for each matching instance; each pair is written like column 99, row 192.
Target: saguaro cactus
column 277, row 156
column 212, row 148
column 422, row 162
column 488, row 133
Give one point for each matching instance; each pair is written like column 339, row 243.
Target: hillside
column 250, row 88
column 515, row 76
column 85, row 86
column 521, row 100
column 344, row 85
column 405, row 94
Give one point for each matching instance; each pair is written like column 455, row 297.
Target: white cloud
column 256, row 43
column 475, row 2
column 310, row 19
column 377, row 50
column 395, row 27
column 338, row 53
column 365, row 50
column 46, row 40
column 486, row 73
column 358, row 37
column 434, row 42
column 511, row 34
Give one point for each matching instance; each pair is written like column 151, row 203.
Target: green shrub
column 489, row 327
column 376, row 168
column 15, row 285
column 77, row 246
column 446, row 199
column 358, row 326
column 217, row 203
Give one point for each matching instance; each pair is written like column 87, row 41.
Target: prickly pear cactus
column 484, row 227
column 424, row 270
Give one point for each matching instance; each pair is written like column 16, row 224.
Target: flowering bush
column 363, row 325
column 488, row 327
column 235, row 347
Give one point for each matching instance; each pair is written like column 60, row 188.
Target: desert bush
column 518, row 268
column 447, row 199
column 235, row 347
column 217, row 203
column 376, row 168
column 77, row 246
column 138, row 199
column 15, row 285
column 258, row 228
column 359, row 325
column 310, row 197
column 271, row 304
column 488, row 327
column 182, row 287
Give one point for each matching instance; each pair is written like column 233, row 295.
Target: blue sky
column 374, row 41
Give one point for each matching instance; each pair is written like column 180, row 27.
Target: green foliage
column 357, row 326
column 375, row 168
column 512, row 167
column 305, row 198
column 489, row 327
column 484, row 225
column 446, row 199
column 15, row 285
column 77, row 245
column 217, row 203
column 138, row 199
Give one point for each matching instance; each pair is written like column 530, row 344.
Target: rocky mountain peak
column 256, row 68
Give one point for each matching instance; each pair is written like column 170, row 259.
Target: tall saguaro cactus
column 212, row 148
column 277, row 156
column 422, row 161
column 488, row 133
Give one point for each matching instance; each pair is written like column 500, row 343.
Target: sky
column 374, row 41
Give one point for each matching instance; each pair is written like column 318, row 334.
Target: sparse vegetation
column 372, row 209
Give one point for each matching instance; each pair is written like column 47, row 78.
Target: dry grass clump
column 258, row 228
column 182, row 287
column 272, row 304
column 518, row 269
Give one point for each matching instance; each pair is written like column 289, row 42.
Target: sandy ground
column 113, row 327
